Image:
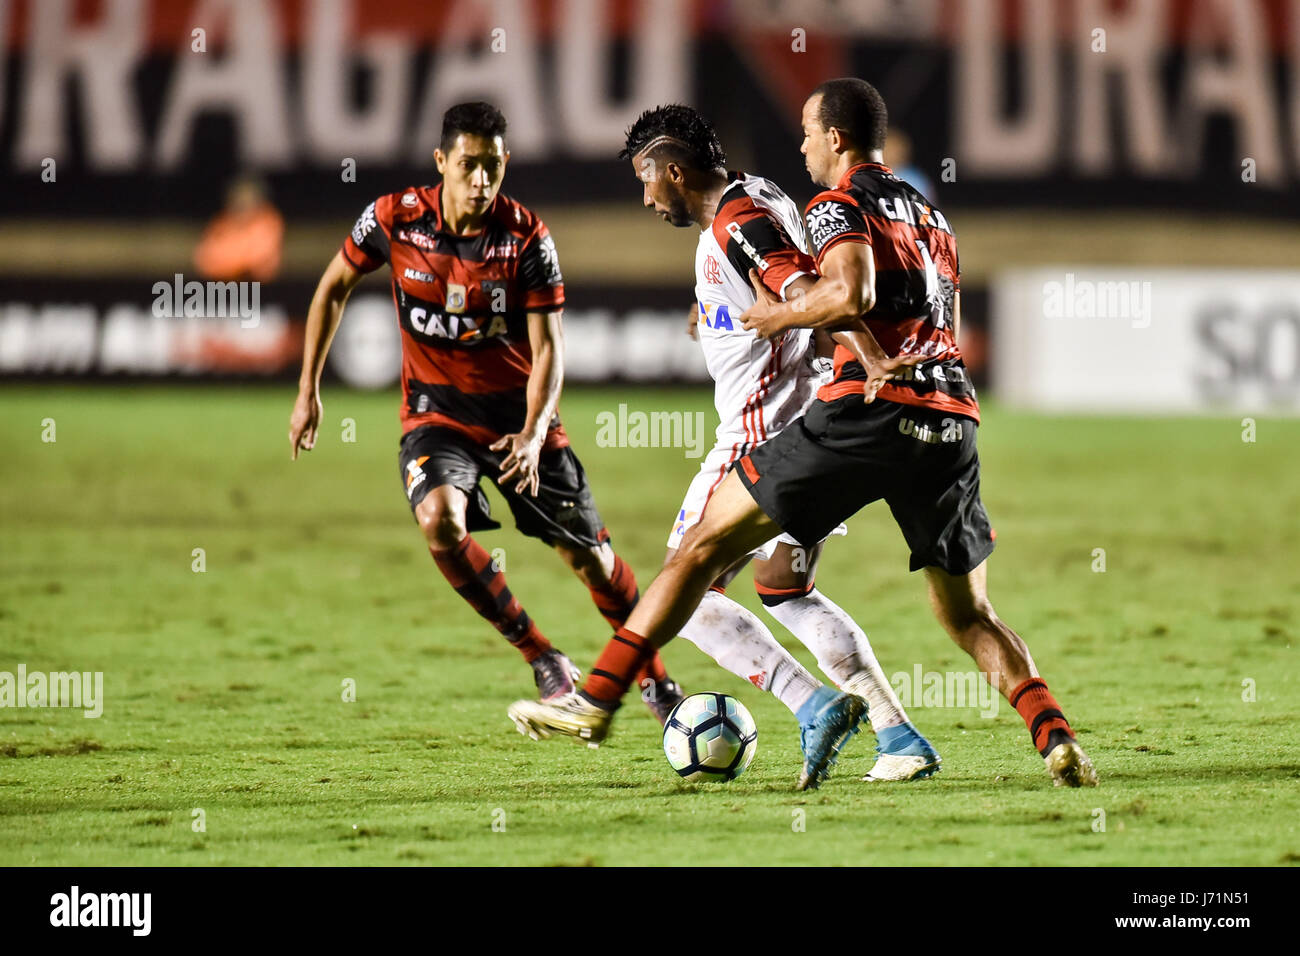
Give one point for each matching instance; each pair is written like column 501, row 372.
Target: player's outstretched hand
column 304, row 421
column 525, row 450
column 762, row 317
column 880, row 372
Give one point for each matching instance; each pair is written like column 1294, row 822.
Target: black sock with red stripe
column 1041, row 714
column 615, row 599
column 620, row 661
column 469, row 569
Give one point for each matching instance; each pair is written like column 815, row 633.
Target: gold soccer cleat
column 569, row 715
column 1070, row 766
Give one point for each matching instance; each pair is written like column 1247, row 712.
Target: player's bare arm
column 851, row 333
column 323, row 317
column 845, row 291
column 545, row 381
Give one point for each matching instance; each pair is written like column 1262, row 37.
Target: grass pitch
column 225, row 738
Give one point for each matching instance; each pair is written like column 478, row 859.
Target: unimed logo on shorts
column 75, row 908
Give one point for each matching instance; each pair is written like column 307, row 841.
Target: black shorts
column 843, row 455
column 563, row 512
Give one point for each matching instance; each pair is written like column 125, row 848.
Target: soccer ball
column 710, row 737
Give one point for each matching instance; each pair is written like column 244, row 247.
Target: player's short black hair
column 856, row 108
column 700, row 147
column 477, row 119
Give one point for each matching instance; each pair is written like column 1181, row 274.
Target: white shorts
column 713, row 469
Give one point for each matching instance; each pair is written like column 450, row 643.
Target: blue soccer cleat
column 826, row 722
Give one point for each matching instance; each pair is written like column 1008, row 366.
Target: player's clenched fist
column 303, row 422
column 764, row 317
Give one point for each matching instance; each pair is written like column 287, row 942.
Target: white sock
column 738, row 639
column 843, row 653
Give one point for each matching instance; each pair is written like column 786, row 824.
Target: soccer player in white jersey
column 746, row 223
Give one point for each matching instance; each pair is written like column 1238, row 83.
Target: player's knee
column 701, row 553
column 442, row 527
column 589, row 564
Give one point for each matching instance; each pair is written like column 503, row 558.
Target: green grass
column 223, row 688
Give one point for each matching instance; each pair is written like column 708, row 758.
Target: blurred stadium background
column 1090, row 144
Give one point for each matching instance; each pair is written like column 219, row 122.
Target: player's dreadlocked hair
column 697, row 143
column 856, row 108
column 476, row 119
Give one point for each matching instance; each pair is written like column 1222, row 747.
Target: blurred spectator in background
column 898, row 157
column 244, row 240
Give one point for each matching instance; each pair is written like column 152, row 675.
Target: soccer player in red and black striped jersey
column 884, row 253
column 478, row 292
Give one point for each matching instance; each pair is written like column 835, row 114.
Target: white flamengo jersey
column 760, row 387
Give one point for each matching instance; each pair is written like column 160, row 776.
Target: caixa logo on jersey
column 447, row 323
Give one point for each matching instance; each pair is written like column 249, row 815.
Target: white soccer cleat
column 897, row 768
column 569, row 715
column 903, row 754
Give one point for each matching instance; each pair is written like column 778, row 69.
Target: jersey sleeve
column 540, row 281
column 751, row 239
column 834, row 217
column 366, row 246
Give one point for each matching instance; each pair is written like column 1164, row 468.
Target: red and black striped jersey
column 462, row 304
column 917, row 272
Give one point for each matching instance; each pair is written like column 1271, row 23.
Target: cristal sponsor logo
column 947, row 689
column 417, row 238
column 1086, row 299
column 208, row 300
column 950, row 430
column 637, row 429
column 825, row 222
column 365, row 223
column 81, row 689
column 733, row 230
column 74, row 908
column 417, row 275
